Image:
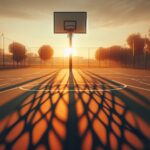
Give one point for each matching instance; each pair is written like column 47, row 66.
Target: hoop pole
column 70, row 56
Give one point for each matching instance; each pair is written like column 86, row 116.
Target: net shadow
column 71, row 115
column 105, row 118
column 39, row 121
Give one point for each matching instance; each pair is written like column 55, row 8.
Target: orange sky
column 109, row 22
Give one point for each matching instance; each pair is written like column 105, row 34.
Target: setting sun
column 69, row 51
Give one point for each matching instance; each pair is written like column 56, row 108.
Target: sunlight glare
column 69, row 51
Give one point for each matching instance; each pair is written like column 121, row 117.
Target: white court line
column 9, row 90
column 76, row 90
column 124, row 74
column 143, row 82
column 6, row 83
column 67, row 90
column 133, row 79
column 56, row 84
column 137, row 87
column 18, row 86
column 12, row 79
column 23, row 75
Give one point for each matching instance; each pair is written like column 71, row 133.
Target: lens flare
column 69, row 51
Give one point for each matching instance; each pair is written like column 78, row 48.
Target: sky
column 109, row 22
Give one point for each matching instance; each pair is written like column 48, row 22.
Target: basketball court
column 90, row 108
column 102, row 107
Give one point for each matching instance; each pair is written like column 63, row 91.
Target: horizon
column 31, row 23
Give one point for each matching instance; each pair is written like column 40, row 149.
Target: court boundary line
column 123, row 86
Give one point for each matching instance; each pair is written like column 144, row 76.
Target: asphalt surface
column 83, row 109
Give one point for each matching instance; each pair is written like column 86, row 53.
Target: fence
column 82, row 57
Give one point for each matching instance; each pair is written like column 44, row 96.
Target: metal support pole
column 3, row 50
column 88, row 57
column 133, row 53
column 145, row 54
column 70, row 55
column 13, row 53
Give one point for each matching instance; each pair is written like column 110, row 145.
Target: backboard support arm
column 70, row 23
column 70, row 55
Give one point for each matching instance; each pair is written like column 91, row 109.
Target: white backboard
column 70, row 21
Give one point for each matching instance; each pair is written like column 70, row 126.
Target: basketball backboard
column 65, row 22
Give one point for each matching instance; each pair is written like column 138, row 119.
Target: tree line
column 19, row 52
column 138, row 46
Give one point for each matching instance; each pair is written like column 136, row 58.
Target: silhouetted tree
column 97, row 54
column 101, row 54
column 114, row 53
column 136, row 43
column 147, row 42
column 1, row 51
column 18, row 51
column 45, row 52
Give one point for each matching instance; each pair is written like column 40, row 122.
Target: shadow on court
column 75, row 116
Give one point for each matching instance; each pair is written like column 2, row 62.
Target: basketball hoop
column 70, row 22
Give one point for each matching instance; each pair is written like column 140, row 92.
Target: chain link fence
column 82, row 57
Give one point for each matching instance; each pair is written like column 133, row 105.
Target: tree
column 136, row 43
column 147, row 41
column 18, row 51
column 45, row 52
column 97, row 54
column 101, row 53
column 114, row 53
column 1, row 51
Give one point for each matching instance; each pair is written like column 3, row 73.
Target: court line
column 4, row 84
column 81, row 83
column 133, row 79
column 14, row 79
column 9, row 90
column 76, row 90
column 143, row 82
column 137, row 87
column 67, row 90
column 10, row 81
column 18, row 86
column 24, row 75
column 124, row 74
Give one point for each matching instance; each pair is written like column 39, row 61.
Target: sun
column 69, row 51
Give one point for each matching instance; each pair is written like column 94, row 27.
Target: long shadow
column 72, row 142
column 22, row 83
column 136, row 94
column 9, row 107
column 133, row 105
column 34, row 122
column 70, row 115
column 112, row 117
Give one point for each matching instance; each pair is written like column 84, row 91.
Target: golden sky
column 109, row 22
